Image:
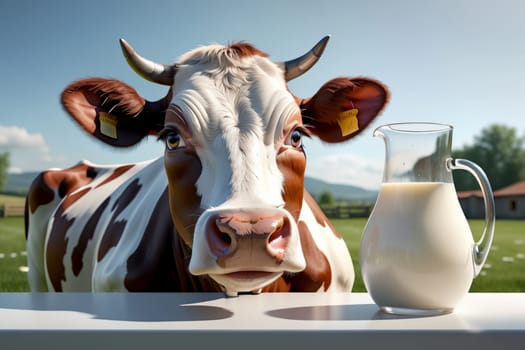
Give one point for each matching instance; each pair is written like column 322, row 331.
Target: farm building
column 472, row 204
column 509, row 201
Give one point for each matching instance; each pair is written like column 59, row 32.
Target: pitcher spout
column 378, row 132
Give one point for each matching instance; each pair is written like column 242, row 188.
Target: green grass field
column 505, row 267
column 12, row 255
column 504, row 272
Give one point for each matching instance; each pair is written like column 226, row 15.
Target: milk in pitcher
column 416, row 252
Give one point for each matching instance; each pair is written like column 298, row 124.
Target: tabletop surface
column 174, row 312
column 306, row 321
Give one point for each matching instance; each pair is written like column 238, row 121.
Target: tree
column 499, row 152
column 326, row 198
column 4, row 165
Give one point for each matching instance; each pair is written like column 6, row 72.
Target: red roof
column 516, row 189
column 468, row 194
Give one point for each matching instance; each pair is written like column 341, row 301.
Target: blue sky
column 450, row 61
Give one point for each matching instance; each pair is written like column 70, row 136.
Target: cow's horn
column 300, row 65
column 158, row 73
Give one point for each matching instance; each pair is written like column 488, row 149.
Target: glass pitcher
column 417, row 254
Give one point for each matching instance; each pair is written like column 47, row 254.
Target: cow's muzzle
column 246, row 249
column 248, row 236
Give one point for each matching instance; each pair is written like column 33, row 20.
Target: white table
column 267, row 321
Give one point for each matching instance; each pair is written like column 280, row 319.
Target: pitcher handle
column 482, row 247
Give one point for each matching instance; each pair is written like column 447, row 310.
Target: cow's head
column 234, row 152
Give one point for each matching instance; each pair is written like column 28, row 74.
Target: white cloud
column 12, row 137
column 347, row 169
column 27, row 151
column 15, row 170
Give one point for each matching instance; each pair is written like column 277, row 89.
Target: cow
column 224, row 209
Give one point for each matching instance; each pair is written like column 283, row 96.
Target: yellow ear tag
column 348, row 121
column 108, row 125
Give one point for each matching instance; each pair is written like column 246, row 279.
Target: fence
column 347, row 211
column 336, row 212
column 12, row 210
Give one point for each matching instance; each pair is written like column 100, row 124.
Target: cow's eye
column 173, row 140
column 296, row 139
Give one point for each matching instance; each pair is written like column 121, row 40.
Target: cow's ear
column 344, row 107
column 113, row 111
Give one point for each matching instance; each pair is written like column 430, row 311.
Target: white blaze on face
column 236, row 116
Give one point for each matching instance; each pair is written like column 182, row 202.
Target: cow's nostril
column 226, row 239
column 277, row 235
column 278, row 241
column 220, row 238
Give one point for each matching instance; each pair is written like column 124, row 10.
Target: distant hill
column 339, row 191
column 19, row 183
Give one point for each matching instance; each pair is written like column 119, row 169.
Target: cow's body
column 225, row 208
column 112, row 230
